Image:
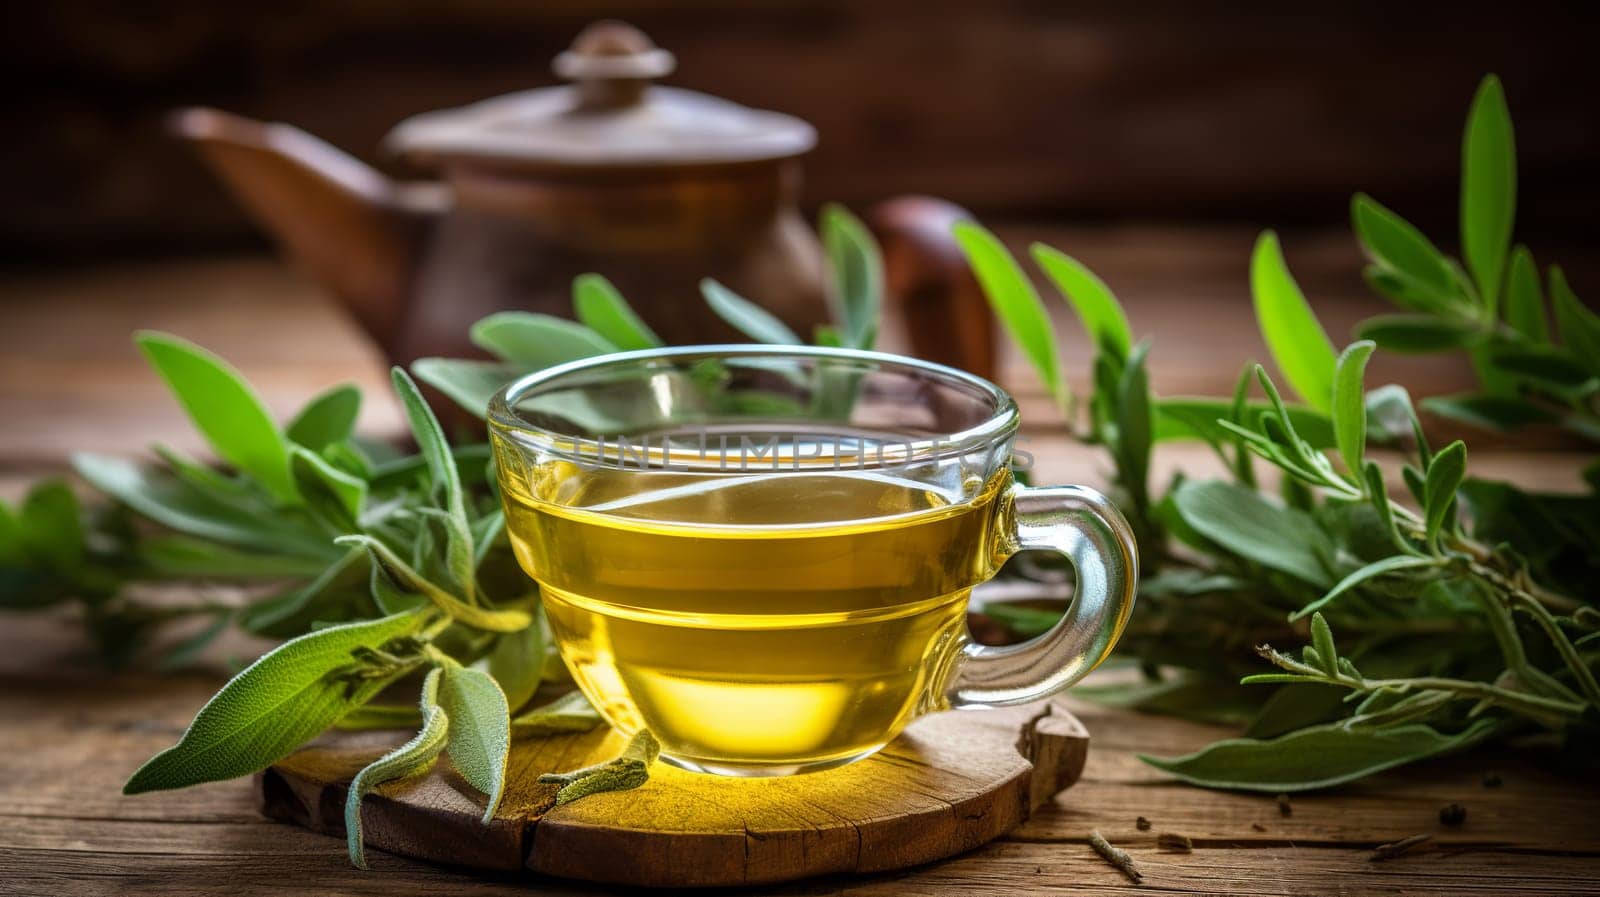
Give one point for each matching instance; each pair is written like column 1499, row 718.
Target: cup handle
column 1083, row 525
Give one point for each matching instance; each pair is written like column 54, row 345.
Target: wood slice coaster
column 950, row 782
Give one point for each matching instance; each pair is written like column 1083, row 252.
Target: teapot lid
column 609, row 116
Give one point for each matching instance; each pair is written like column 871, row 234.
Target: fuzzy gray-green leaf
column 857, row 266
column 1350, row 406
column 330, row 493
column 537, row 340
column 602, row 309
column 1314, row 757
column 747, row 317
column 1322, row 640
column 445, row 481
column 467, row 382
column 1244, row 522
column 415, row 756
column 517, row 663
column 480, row 731
column 569, row 713
column 275, row 705
column 1443, row 477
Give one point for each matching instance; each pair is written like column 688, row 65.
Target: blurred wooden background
column 1084, row 112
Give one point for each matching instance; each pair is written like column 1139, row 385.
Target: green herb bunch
column 381, row 569
column 1465, row 609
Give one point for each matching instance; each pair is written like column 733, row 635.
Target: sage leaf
column 1296, row 339
column 517, row 663
column 411, row 758
column 628, row 771
column 1419, row 334
column 1393, row 243
column 1350, row 405
column 1322, row 640
column 747, row 317
column 1315, row 757
column 376, row 716
column 1403, row 291
column 184, row 556
column 1443, row 477
column 1524, row 309
column 1244, row 522
column 182, row 507
column 390, row 595
column 1545, row 367
column 1135, row 424
column 1016, row 304
column 1488, row 188
column 223, row 408
column 470, row 384
column 330, row 493
column 238, row 492
column 1381, row 567
column 1502, row 413
column 284, row 699
column 1579, row 327
column 1102, row 315
column 857, row 285
column 480, row 731
column 536, row 340
column 1185, row 417
column 50, row 528
column 601, row 308
column 326, row 419
column 567, row 714
column 445, row 481
column 323, row 598
column 1297, row 706
column 1389, row 408
column 402, row 574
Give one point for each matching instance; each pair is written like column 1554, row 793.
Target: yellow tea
column 771, row 622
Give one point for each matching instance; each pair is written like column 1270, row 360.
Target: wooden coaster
column 950, row 782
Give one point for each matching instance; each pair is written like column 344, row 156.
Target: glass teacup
column 764, row 554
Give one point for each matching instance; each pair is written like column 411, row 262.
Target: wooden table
column 70, row 733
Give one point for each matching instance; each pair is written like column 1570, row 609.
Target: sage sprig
column 1466, row 606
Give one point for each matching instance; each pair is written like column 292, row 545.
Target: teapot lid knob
column 612, row 61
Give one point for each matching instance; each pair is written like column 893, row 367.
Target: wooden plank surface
column 70, row 734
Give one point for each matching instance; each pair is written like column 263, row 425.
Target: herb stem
column 1563, row 646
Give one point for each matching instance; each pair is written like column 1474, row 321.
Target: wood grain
column 950, row 782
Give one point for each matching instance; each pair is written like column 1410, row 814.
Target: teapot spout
column 358, row 232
